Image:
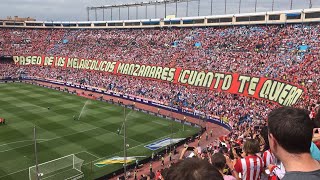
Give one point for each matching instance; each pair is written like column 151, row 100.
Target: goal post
column 67, row 167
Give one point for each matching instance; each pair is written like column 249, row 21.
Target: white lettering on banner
column 282, row 93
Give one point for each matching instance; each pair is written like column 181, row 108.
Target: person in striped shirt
column 251, row 165
column 270, row 160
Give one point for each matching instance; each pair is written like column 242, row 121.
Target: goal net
column 67, row 167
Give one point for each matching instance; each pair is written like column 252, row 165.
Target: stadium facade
column 272, row 17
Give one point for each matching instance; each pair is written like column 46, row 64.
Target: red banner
column 284, row 93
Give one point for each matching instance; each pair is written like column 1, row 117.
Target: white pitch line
column 156, row 122
column 92, row 154
column 97, row 158
column 116, row 133
column 130, row 148
column 121, row 135
column 70, row 135
column 85, row 151
column 57, row 174
column 109, row 108
column 28, row 168
column 15, row 142
column 52, row 139
column 22, row 141
column 14, row 173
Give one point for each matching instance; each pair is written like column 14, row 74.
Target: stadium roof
column 158, row 2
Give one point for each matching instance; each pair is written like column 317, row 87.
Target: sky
column 75, row 10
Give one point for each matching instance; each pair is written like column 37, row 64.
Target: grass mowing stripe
column 21, row 141
column 28, row 168
column 130, row 148
column 52, row 139
column 46, row 140
column 22, row 103
column 92, row 154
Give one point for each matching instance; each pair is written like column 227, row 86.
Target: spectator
column 269, row 160
column 193, row 169
column 158, row 175
column 250, row 166
column 316, row 130
column 221, row 162
column 290, row 135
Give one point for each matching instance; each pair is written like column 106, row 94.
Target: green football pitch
column 92, row 138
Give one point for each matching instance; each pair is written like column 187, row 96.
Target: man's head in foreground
column 290, row 135
column 193, row 169
column 290, row 131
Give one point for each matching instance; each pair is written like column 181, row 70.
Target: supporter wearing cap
column 290, row 135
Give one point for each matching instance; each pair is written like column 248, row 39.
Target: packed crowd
column 269, row 150
column 278, row 150
column 270, row 51
column 286, row 52
column 264, row 51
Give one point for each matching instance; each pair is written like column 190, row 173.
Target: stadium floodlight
column 67, row 167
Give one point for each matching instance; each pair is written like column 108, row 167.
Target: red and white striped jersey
column 269, row 158
column 250, row 167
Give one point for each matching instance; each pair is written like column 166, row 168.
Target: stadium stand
column 289, row 52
